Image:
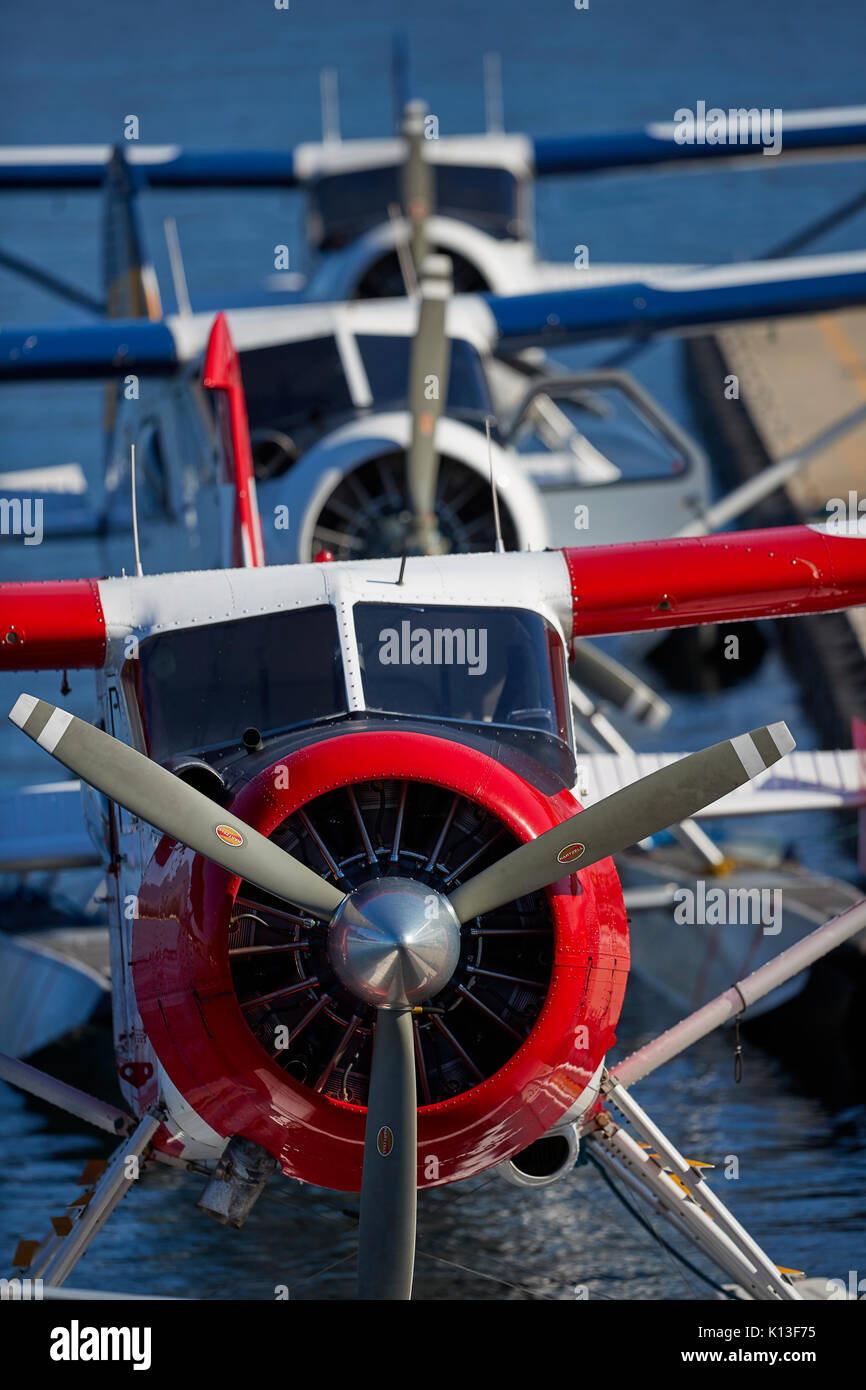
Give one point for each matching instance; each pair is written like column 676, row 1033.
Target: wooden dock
column 795, row 379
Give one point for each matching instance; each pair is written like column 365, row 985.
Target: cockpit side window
column 201, row 687
column 292, row 385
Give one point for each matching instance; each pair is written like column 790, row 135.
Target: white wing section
column 802, row 781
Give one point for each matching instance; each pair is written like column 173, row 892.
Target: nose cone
column 394, row 941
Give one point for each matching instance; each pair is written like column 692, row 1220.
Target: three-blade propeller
column 382, row 940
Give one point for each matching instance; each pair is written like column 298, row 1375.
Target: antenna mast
column 178, row 274
column 494, row 118
column 329, row 95
column 139, row 571
column 404, row 257
column 500, row 547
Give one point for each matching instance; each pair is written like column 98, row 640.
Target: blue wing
column 681, row 301
column 841, row 130
column 94, row 350
column 800, row 132
column 84, row 166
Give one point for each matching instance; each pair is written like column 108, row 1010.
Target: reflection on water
column 799, row 1191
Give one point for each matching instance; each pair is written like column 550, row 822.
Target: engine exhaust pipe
column 547, row 1160
column 237, row 1182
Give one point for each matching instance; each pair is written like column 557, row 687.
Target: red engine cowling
column 510, row 1043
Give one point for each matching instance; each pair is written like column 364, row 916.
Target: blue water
column 220, row 74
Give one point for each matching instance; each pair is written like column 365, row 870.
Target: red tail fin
column 222, row 372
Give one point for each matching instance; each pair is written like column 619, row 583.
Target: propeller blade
column 418, row 190
column 172, row 806
column 428, row 388
column 389, row 1185
column 664, row 798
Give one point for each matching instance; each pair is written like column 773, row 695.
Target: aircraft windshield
column 202, row 687
column 490, row 666
column 300, row 387
column 386, row 362
column 344, row 206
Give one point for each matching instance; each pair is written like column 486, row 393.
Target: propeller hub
column 394, row 941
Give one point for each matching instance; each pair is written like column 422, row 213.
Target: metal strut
column 682, row 1196
column 54, row 1258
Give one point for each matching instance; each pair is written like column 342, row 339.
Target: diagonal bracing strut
column 682, row 1196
